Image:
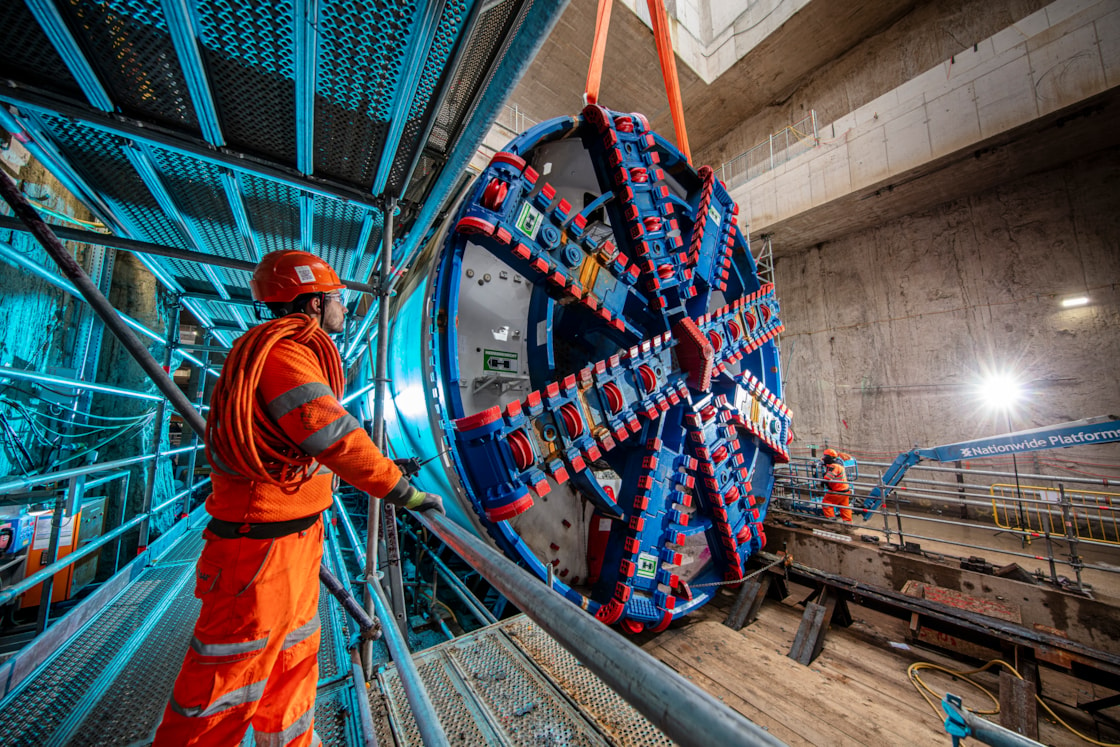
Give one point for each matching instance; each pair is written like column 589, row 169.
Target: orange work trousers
column 253, row 657
column 837, row 499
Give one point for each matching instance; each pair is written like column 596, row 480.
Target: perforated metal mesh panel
column 481, row 51
column 195, row 187
column 100, row 158
column 251, row 64
column 273, row 210
column 511, row 684
column 186, row 549
column 363, row 44
column 517, row 697
column 613, row 715
column 443, row 45
column 328, row 637
column 335, row 721
column 26, row 52
column 132, row 51
column 363, row 263
column 379, row 710
column 131, row 709
column 460, row 718
column 36, row 709
column 336, row 230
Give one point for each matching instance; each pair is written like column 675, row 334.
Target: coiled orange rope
column 239, row 431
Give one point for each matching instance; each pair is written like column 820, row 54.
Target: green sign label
column 529, row 220
column 713, row 214
column 647, row 565
column 499, row 360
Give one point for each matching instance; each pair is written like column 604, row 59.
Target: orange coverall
column 253, row 656
column 836, row 480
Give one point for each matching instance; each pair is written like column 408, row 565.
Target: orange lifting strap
column 598, row 51
column 664, row 53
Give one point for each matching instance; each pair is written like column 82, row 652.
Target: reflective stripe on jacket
column 297, row 397
column 835, row 478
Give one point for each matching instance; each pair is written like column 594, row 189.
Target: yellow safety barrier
column 1093, row 515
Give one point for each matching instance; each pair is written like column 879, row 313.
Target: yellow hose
column 923, row 688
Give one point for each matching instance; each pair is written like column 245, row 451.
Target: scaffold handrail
column 647, row 684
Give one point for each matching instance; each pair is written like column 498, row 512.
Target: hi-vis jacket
column 296, row 395
column 836, row 478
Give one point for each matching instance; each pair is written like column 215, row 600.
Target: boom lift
column 1097, row 430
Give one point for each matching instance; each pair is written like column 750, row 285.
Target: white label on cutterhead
column 304, row 273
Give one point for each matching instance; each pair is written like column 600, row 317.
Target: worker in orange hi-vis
column 275, row 434
column 836, row 480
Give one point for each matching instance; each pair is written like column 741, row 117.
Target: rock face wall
column 41, row 333
column 888, row 331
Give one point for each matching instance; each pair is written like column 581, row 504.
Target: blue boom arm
column 1098, row 430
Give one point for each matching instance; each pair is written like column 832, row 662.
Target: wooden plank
column 809, row 640
column 777, row 722
column 747, row 604
column 861, row 654
column 967, row 602
column 1018, row 709
column 830, row 708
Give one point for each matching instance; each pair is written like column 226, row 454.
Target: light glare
column 1069, row 303
column 1001, row 391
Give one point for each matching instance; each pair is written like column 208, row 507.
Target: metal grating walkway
column 219, row 131
column 108, row 684
column 511, row 684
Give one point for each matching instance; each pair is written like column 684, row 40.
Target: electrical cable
column 240, row 434
column 57, row 419
column 32, row 417
column 434, row 602
column 63, row 217
column 13, row 439
column 95, row 447
column 923, row 688
column 102, row 417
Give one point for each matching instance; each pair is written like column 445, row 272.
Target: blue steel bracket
column 671, row 403
column 955, row 724
column 891, row 478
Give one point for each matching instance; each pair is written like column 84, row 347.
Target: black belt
column 266, row 530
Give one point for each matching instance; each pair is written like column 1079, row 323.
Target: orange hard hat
column 282, row 276
column 831, row 453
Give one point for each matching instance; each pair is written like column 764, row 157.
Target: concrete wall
column 928, row 34
column 1043, row 66
column 887, row 330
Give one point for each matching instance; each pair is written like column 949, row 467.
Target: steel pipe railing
column 427, row 720
column 484, row 616
column 1056, row 521
column 22, row 483
column 349, row 530
column 958, row 543
column 961, row 722
column 971, row 471
column 649, row 685
column 16, row 373
column 90, row 484
column 38, row 577
column 181, row 494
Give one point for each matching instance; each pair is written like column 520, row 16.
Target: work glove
column 421, row 501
